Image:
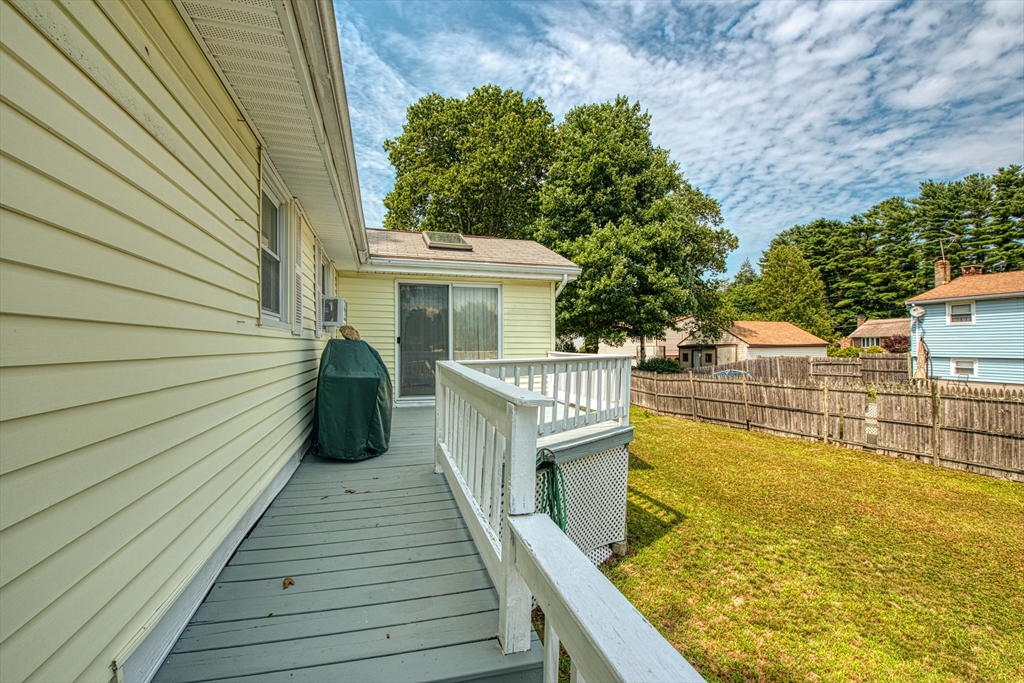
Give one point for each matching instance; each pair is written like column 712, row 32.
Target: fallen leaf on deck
column 324, row 498
column 270, row 615
column 350, row 490
column 388, row 635
column 288, row 582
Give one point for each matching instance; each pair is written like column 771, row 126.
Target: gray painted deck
column 388, row 584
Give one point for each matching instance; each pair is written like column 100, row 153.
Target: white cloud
column 782, row 111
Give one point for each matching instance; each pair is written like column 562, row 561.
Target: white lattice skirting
column 595, row 487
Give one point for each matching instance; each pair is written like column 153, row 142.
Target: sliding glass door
column 475, row 325
column 431, row 330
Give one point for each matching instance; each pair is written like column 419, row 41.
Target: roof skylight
column 446, row 240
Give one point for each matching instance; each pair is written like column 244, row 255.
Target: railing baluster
column 566, row 396
column 486, row 485
column 481, row 449
column 469, row 474
column 551, row 651
column 496, row 480
column 577, row 387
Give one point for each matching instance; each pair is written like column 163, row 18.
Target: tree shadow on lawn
column 648, row 519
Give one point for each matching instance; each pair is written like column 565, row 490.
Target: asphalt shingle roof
column 883, row 327
column 403, row 244
column 764, row 333
column 975, row 285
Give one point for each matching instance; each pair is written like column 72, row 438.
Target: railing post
column 440, row 419
column 520, row 499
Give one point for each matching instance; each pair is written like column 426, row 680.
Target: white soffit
column 248, row 43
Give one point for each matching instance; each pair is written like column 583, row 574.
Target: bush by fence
column 978, row 430
column 872, row 368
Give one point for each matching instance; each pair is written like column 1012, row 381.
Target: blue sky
column 784, row 112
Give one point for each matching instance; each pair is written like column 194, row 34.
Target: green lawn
column 764, row 558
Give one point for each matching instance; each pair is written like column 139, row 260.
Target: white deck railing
column 587, row 388
column 486, row 448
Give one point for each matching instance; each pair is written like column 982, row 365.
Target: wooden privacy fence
column 978, row 430
column 870, row 368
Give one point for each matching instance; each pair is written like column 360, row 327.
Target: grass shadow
column 638, row 463
column 648, row 519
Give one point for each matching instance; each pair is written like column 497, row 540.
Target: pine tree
column 1003, row 239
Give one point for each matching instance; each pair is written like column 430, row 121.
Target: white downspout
column 562, row 284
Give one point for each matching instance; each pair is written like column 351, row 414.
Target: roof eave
column 772, row 346
column 973, row 297
column 316, row 29
column 502, row 271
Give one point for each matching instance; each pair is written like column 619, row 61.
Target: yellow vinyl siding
column 142, row 409
column 371, row 310
column 528, row 318
column 527, row 311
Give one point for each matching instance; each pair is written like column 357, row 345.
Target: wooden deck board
column 388, row 585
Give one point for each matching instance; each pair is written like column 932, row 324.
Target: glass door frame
column 451, row 328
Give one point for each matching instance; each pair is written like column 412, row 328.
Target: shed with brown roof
column 751, row 339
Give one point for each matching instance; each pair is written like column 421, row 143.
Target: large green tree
column 650, row 245
column 1002, row 239
column 741, row 293
column 472, row 165
column 790, row 290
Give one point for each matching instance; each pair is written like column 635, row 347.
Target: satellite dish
column 917, row 312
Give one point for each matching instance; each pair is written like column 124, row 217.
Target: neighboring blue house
column 971, row 328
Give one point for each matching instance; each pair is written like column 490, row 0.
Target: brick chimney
column 861, row 320
column 943, row 272
column 970, row 270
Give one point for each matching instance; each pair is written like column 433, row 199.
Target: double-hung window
column 960, row 313
column 280, row 255
column 964, row 367
column 272, row 246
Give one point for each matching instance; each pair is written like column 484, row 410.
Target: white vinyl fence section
column 586, row 388
column 486, row 447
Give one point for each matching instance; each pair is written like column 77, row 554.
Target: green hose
column 552, row 489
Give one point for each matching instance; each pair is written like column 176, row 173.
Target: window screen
column 270, row 254
column 960, row 313
column 963, row 367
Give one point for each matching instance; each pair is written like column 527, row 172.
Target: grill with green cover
column 352, row 417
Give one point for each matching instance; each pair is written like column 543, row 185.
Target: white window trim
column 949, row 312
column 451, row 331
column 274, row 187
column 321, row 287
column 952, row 367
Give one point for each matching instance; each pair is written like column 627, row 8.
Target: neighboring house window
column 685, row 357
column 708, row 357
column 869, row 341
column 960, row 313
column 964, row 367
